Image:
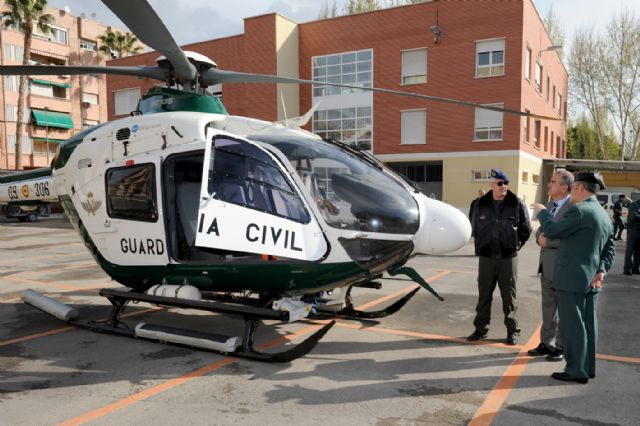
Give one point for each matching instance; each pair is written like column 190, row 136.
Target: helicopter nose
column 443, row 228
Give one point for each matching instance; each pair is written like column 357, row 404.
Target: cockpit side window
column 131, row 193
column 241, row 173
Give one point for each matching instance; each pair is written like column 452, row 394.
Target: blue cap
column 499, row 174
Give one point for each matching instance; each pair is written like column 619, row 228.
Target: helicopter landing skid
column 232, row 346
column 350, row 312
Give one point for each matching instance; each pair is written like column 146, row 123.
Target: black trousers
column 618, row 226
column 504, row 273
column 632, row 254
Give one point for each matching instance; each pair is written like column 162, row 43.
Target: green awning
column 50, row 140
column 51, row 83
column 61, row 120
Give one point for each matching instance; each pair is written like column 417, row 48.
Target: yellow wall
column 287, row 62
column 458, row 187
column 618, row 179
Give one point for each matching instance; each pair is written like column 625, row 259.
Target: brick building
column 57, row 106
column 495, row 53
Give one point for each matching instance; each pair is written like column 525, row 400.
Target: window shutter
column 414, row 127
column 414, row 62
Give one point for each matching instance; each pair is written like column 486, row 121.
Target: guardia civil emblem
column 91, row 205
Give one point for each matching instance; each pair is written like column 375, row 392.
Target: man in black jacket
column 501, row 227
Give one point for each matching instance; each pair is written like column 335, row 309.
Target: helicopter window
column 351, row 191
column 131, row 193
column 243, row 174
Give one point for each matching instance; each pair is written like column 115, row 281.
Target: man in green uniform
column 585, row 255
column 501, row 227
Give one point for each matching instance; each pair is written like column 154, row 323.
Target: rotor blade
column 218, row 76
column 144, row 22
column 149, row 72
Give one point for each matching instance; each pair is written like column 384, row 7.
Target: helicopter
column 188, row 206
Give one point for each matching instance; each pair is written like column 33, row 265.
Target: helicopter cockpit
column 351, row 191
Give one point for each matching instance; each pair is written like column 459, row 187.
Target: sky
column 199, row 20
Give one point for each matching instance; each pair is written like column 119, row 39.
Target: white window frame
column 490, row 128
column 129, row 101
column 340, row 72
column 527, row 127
column 90, row 98
column 417, row 137
column 89, row 45
column 481, row 175
column 527, row 63
column 491, row 46
column 412, row 71
column 538, row 81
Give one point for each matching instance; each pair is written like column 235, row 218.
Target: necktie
column 554, row 209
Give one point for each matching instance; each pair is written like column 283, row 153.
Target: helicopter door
column 247, row 204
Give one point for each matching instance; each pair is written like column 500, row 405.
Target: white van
column 611, row 195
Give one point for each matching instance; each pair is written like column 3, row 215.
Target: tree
column 23, row 15
column 359, row 6
column 118, row 44
column 586, row 81
column 582, row 141
column 327, row 11
column 619, row 58
column 555, row 30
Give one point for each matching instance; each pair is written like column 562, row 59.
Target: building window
column 527, row 128
column 48, row 90
column 488, row 124
column 525, row 177
column 536, row 179
column 353, row 68
column 11, row 83
column 11, row 144
column 536, row 134
column 90, row 98
column 490, row 58
column 88, row 45
column 131, row 193
column 10, row 112
column 554, row 99
column 57, row 34
column 558, row 146
column 413, row 127
column 539, row 77
column 126, row 100
column 414, row 66
column 480, row 175
column 559, row 104
column 551, row 140
column 527, row 64
column 549, row 85
column 546, row 138
column 89, row 123
column 352, row 126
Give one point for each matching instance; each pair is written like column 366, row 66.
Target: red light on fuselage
column 129, row 163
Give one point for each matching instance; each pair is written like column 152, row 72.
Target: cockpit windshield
column 352, row 191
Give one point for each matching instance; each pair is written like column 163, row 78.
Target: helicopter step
column 228, row 345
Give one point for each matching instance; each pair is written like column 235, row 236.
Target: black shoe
column 636, row 271
column 592, row 376
column 555, row 356
column 627, row 272
column 512, row 338
column 476, row 335
column 567, row 378
column 541, row 350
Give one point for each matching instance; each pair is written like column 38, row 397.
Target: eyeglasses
column 501, row 183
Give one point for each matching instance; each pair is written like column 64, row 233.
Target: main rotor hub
column 201, row 62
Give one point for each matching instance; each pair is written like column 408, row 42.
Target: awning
column 60, row 120
column 51, row 83
column 50, row 140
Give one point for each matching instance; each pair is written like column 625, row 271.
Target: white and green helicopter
column 189, row 206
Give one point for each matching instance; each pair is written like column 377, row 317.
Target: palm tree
column 23, row 15
column 118, row 44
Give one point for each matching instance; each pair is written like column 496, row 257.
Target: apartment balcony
column 51, row 103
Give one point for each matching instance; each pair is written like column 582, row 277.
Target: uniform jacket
column 617, row 209
column 548, row 254
column 507, row 232
column 633, row 219
column 586, row 245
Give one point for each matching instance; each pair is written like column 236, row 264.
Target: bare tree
column 587, row 81
column 555, row 30
column 619, row 59
column 328, row 11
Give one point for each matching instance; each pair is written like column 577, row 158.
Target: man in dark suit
column 618, row 225
column 559, row 188
column 585, row 255
column 632, row 254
